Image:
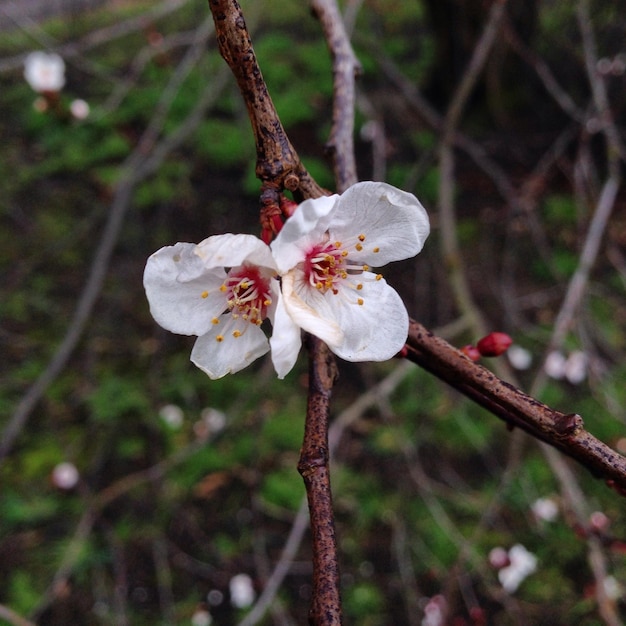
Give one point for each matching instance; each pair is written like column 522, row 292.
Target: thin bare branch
column 345, row 67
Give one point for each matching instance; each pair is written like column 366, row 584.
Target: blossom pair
column 316, row 277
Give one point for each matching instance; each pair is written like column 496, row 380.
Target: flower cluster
column 316, row 277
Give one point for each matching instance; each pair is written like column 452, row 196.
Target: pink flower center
column 247, row 294
column 327, row 267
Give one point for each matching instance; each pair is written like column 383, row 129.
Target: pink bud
column 494, row 344
column 471, row 352
column 287, row 206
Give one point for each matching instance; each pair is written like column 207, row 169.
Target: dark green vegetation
column 426, row 484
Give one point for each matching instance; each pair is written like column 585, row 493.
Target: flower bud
column 471, row 352
column 494, row 344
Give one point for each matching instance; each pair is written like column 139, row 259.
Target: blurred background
column 136, row 491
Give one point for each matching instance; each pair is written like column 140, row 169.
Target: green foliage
column 364, row 603
column 424, row 482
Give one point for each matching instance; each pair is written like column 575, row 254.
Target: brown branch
column 278, row 165
column 313, row 466
column 562, row 431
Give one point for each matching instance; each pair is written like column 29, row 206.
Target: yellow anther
column 359, row 247
column 376, row 249
column 219, row 338
column 267, row 302
column 337, row 244
column 361, row 237
column 366, row 268
column 360, row 301
column 223, row 288
column 258, row 322
column 359, row 286
column 236, row 333
column 379, row 276
column 245, row 285
column 215, row 321
column 344, row 253
column 344, row 274
column 204, row 294
column 318, row 285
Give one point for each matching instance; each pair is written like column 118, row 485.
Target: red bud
column 287, row 206
column 471, row 352
column 494, row 344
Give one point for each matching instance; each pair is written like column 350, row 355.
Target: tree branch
column 278, row 165
column 564, row 431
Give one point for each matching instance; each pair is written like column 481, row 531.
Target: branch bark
column 278, row 165
column 564, row 431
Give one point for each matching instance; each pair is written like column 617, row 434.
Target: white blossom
column 79, row 109
column 522, row 563
column 222, row 290
column 65, row 476
column 325, row 252
column 172, row 415
column 520, row 358
column 241, row 591
column 555, row 365
column 545, row 509
column 575, row 368
column 201, row 617
column 44, row 72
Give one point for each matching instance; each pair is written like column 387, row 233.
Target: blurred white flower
column 44, row 72
column 79, row 109
column 435, row 611
column 613, row 588
column 599, row 521
column 522, row 564
column 575, row 368
column 545, row 509
column 555, row 365
column 520, row 358
column 498, row 557
column 172, row 415
column 241, row 591
column 65, row 476
column 201, row 618
column 213, row 418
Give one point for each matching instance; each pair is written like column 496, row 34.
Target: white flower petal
column 233, row 250
column 44, row 72
column 304, row 228
column 377, row 329
column 307, row 313
column 175, row 279
column 285, row 341
column 218, row 358
column 393, row 221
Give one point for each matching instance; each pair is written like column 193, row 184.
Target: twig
column 342, row 422
column 562, row 431
column 345, row 66
column 278, row 165
column 313, row 466
column 13, row 618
